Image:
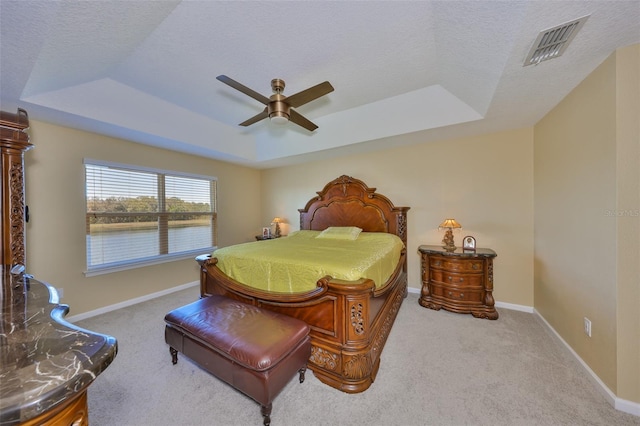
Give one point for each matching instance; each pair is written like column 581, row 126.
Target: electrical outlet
column 587, row 326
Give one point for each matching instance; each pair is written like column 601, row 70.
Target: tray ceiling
column 410, row 71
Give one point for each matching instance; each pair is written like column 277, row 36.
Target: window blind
column 137, row 216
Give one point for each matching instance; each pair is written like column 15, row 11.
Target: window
column 137, row 216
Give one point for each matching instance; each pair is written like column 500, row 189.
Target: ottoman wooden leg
column 174, row 355
column 266, row 413
column 302, row 371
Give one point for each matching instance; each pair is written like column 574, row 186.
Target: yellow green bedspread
column 295, row 263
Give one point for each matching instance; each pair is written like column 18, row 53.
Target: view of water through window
column 108, row 247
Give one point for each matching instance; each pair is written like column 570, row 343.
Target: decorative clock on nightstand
column 469, row 243
column 460, row 281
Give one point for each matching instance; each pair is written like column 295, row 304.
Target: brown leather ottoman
column 254, row 350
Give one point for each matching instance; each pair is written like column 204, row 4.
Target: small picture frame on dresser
column 469, row 244
column 266, row 233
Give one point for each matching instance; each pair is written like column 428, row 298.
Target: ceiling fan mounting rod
column 277, row 85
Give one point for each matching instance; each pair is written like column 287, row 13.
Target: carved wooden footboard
column 350, row 320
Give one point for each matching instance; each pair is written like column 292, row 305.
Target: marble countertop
column 44, row 360
column 459, row 252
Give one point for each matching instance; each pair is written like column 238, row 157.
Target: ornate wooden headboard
column 347, row 201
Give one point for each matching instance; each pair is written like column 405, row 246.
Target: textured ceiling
column 145, row 70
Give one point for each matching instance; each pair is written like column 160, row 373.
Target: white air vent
column 552, row 43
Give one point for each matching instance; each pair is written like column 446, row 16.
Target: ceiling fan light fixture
column 278, row 109
column 279, row 117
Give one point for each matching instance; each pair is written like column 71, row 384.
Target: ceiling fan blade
column 301, row 121
column 244, row 89
column 264, row 114
column 309, row 94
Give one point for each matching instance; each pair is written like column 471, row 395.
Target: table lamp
column 449, row 225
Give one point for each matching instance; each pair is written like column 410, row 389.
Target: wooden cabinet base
column 74, row 412
column 478, row 312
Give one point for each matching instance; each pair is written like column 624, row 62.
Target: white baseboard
column 617, row 403
column 514, row 307
column 126, row 303
column 627, row 406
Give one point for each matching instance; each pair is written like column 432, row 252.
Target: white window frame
column 92, row 270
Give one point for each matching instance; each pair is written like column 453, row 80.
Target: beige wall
column 628, row 226
column 485, row 182
column 56, row 199
column 586, row 256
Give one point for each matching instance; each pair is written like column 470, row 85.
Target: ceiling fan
column 279, row 108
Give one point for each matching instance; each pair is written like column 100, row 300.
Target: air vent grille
column 552, row 43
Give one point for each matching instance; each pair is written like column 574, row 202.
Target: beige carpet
column 438, row 368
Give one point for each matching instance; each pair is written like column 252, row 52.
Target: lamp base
column 448, row 241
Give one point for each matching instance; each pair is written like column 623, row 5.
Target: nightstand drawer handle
column 461, row 295
column 459, row 279
column 436, row 263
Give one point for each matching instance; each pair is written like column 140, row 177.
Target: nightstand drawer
column 465, row 295
column 450, row 278
column 456, row 265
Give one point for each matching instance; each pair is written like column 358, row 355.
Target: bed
column 350, row 320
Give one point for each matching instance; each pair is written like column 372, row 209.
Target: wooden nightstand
column 458, row 281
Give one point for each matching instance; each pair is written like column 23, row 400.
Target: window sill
column 123, row 266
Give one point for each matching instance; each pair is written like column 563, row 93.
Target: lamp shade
column 450, row 223
column 276, row 220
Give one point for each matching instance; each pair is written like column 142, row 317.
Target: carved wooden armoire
column 14, row 142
